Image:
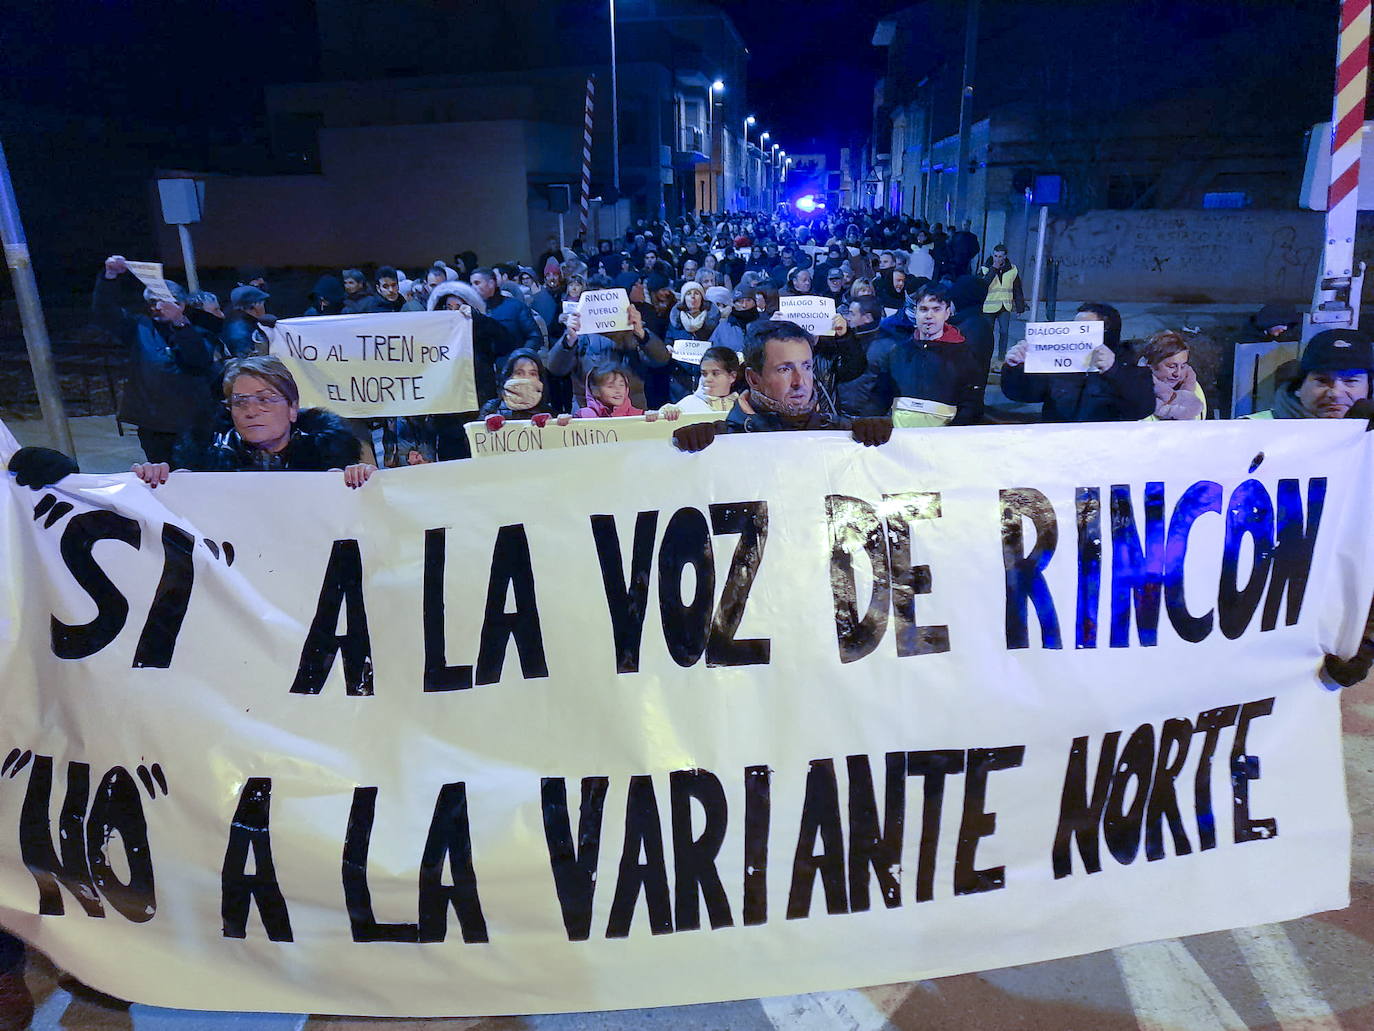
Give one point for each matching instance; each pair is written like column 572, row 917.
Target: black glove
column 1362, row 410
column 1347, row 672
column 39, row 467
column 873, row 430
column 695, row 437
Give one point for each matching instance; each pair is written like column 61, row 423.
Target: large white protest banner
column 621, row 726
column 516, row 436
column 1061, row 346
column 378, row 365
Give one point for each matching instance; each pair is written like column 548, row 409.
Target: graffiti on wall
column 1188, row 256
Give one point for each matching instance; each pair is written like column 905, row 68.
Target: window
column 1228, row 200
column 1048, row 189
column 1128, row 191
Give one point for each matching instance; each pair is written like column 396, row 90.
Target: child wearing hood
column 524, row 390
column 717, row 386
column 608, row 396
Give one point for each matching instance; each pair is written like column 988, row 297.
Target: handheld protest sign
column 570, row 307
column 381, row 365
column 149, row 273
column 1061, row 346
column 517, row 436
column 689, row 351
column 816, row 315
column 604, row 311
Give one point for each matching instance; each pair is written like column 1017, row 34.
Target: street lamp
column 615, row 113
column 744, row 154
column 717, row 159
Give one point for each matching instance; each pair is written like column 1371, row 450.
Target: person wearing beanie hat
column 1332, row 375
column 1277, row 322
column 721, row 298
column 692, row 318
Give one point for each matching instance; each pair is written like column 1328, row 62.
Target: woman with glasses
column 266, row 430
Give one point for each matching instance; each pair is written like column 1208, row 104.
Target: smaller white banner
column 605, row 311
column 521, row 436
column 816, row 315
column 1061, row 346
column 570, row 307
column 149, row 273
column 381, row 365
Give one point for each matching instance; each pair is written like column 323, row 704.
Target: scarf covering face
column 521, row 393
column 764, row 403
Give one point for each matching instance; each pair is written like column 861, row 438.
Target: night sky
column 202, row 66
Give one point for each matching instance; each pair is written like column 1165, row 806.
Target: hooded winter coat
column 327, row 297
column 595, row 409
column 499, row 405
column 635, row 355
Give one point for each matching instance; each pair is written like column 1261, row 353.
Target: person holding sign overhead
column 1117, row 389
column 169, row 385
column 635, row 350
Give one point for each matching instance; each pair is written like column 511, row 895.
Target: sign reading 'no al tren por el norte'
column 378, row 365
column 621, row 726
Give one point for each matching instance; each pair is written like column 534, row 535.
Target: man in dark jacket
column 512, row 312
column 243, row 326
column 1120, row 389
column 782, row 394
column 930, row 377
column 855, row 397
column 967, row 294
column 170, row 384
column 388, row 293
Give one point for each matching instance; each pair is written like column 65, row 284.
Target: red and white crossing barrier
column 1347, row 123
column 587, row 151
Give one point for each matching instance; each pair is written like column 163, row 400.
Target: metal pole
column 188, row 256
column 561, row 243
column 966, row 112
column 615, row 114
column 31, row 315
column 1039, row 263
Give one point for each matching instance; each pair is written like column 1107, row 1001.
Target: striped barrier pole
column 587, row 155
column 1347, row 126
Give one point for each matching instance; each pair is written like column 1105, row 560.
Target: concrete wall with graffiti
column 1189, row 257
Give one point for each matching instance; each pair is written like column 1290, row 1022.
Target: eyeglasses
column 242, row 402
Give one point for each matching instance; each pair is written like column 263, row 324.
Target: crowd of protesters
column 924, row 324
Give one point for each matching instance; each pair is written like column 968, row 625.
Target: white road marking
column 48, row 1014
column 1170, row 991
column 824, row 1011
column 1284, row 980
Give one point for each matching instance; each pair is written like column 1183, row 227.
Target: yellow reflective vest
column 1000, row 296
